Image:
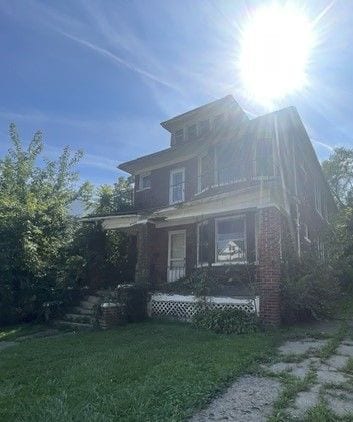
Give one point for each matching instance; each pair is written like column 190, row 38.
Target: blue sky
column 102, row 75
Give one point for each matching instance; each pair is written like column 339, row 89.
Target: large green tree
column 36, row 228
column 339, row 174
column 109, row 255
column 338, row 169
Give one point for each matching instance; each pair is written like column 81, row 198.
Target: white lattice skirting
column 184, row 307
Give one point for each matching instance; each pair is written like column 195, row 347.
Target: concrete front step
column 75, row 325
column 87, row 305
column 93, row 299
column 82, row 311
column 79, row 318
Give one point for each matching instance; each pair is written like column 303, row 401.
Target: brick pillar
column 144, row 254
column 269, row 265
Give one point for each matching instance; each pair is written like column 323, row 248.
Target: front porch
column 242, row 249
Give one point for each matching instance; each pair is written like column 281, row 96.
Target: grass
column 349, row 366
column 14, row 331
column 148, row 371
column 292, row 386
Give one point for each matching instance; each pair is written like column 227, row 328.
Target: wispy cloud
column 323, row 144
column 39, row 117
column 88, row 160
column 97, row 161
column 118, row 60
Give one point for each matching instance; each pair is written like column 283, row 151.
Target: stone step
column 93, row 299
column 75, row 325
column 86, row 305
column 79, row 318
column 82, row 311
column 102, row 293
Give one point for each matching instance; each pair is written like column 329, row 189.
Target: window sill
column 143, row 189
column 226, row 263
column 176, row 203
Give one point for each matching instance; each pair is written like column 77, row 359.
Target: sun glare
column 275, row 48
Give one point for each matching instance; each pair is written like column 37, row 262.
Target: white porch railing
column 183, row 307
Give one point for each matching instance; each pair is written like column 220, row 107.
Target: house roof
column 176, row 121
column 181, row 152
column 187, row 150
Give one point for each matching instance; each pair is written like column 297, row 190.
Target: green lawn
column 140, row 372
column 14, row 331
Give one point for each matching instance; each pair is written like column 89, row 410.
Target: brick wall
column 158, row 194
column 269, row 265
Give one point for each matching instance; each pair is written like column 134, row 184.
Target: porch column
column 144, row 254
column 269, row 265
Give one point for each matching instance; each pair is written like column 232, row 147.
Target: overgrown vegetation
column 36, row 228
column 311, row 287
column 310, row 290
column 201, row 281
column 225, row 321
column 45, row 254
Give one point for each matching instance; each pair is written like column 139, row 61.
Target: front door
column 176, row 255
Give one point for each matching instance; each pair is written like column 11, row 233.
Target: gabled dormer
column 204, row 121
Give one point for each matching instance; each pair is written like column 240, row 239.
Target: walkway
column 310, row 374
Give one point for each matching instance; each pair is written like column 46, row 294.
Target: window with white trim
column 144, row 181
column 230, row 240
column 177, row 186
column 263, row 163
column 202, row 243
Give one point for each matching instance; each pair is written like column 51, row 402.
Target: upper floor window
column 204, row 127
column 192, row 131
column 177, row 186
column 264, row 164
column 231, row 239
column 218, row 121
column 179, row 136
column 229, row 169
column 144, row 181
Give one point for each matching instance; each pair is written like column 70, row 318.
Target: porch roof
column 253, row 197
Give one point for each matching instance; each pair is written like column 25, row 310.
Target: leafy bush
column 210, row 281
column 227, row 321
column 134, row 299
column 309, row 291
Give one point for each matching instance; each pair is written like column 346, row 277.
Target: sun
column 276, row 43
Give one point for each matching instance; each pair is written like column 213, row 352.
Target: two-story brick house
column 225, row 194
